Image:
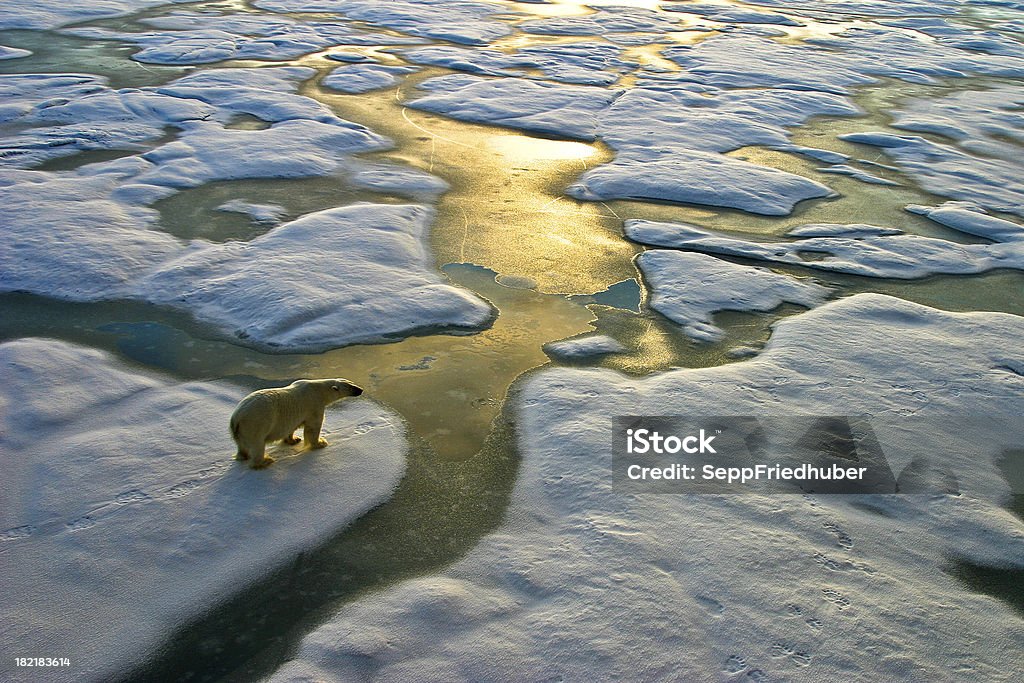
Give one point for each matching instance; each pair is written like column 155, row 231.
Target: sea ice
column 689, row 288
column 950, row 172
column 584, row 347
column 830, row 9
column 890, row 256
column 371, row 279
column 698, row 178
column 603, row 21
column 979, row 121
column 854, row 57
column 468, row 22
column 961, row 36
column 731, row 14
column 583, row 583
column 13, row 52
column 664, row 137
column 840, row 230
column 129, row 515
column 358, row 273
column 45, row 14
column 104, row 244
column 569, row 110
column 857, row 174
column 260, row 213
column 360, row 78
column 583, row 63
column 970, row 219
column 201, row 38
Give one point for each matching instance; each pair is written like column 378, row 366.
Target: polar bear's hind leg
column 259, row 458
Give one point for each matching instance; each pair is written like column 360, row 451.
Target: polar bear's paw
column 241, row 455
column 291, row 439
column 260, row 464
column 320, row 443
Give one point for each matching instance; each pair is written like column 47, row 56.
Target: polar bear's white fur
column 274, row 415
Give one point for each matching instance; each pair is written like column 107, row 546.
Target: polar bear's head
column 331, row 390
column 343, row 388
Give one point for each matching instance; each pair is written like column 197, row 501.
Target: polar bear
column 274, row 415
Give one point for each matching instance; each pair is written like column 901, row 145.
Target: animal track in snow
column 710, row 604
column 17, row 532
column 182, row 489
column 778, row 650
column 841, row 565
column 83, row 522
column 735, row 664
column 842, row 538
column 364, row 428
column 836, row 598
column 801, row 658
column 101, row 511
column 131, row 496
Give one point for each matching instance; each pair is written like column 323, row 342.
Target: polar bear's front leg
column 311, row 431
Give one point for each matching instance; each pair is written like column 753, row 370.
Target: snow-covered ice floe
column 203, row 37
column 979, row 166
column 44, row 14
column 358, row 273
column 862, row 250
column 605, row 20
column 588, row 346
column 125, row 516
column 731, row 14
column 583, row 63
column 569, row 110
column 853, row 57
column 944, row 170
column 13, row 52
column 688, row 127
column 866, row 8
column 581, row 583
column 63, row 114
column 346, row 275
column 689, row 288
column 360, row 78
column 470, row 22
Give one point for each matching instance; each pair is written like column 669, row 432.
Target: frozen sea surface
column 849, row 249
column 689, row 288
column 124, row 515
column 458, row 21
column 583, row 583
column 368, row 276
column 42, row 14
column 584, row 347
column 577, row 582
column 683, row 165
